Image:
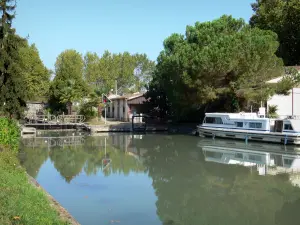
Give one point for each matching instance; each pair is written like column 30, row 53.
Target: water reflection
column 266, row 159
column 72, row 154
column 195, row 181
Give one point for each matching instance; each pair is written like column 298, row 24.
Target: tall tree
column 143, row 72
column 91, row 67
column 221, row 61
column 13, row 91
column 68, row 85
column 36, row 75
column 129, row 71
column 282, row 17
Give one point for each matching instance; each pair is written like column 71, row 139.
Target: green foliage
column 88, row 110
column 273, row 111
column 282, row 17
column 131, row 72
column 68, row 85
column 13, row 91
column 9, row 133
column 36, row 75
column 35, row 207
column 222, row 61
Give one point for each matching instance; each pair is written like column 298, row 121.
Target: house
column 34, row 108
column 287, row 105
column 123, row 107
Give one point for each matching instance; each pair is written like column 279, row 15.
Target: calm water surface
column 166, row 179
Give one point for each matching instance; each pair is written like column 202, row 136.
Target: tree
column 91, row 67
column 36, row 75
column 282, row 17
column 223, row 62
column 68, row 84
column 143, row 72
column 130, row 72
column 13, row 91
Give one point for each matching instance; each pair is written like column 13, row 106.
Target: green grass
column 20, row 201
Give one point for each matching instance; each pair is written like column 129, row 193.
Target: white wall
column 284, row 103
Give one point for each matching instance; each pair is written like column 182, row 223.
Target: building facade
column 287, row 105
column 123, row 107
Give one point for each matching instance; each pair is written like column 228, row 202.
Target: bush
column 88, row 110
column 273, row 111
column 9, row 133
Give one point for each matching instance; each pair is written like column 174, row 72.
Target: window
column 214, row 120
column 255, row 157
column 216, row 155
column 288, row 162
column 238, row 155
column 239, row 124
column 255, row 125
column 288, row 127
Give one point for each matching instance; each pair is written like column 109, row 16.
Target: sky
column 136, row 26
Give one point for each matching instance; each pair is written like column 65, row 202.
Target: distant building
column 287, row 104
column 34, row 108
column 123, row 107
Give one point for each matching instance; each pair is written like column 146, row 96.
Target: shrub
column 273, row 111
column 88, row 110
column 9, row 133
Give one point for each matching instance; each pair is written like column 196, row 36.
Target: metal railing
column 295, row 117
column 55, row 119
column 53, row 141
column 71, row 118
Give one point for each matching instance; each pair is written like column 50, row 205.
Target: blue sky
column 137, row 26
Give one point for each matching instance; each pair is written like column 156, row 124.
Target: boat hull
column 270, row 137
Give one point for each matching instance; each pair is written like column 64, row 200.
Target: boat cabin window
column 288, row 127
column 255, row 158
column 288, row 162
column 215, row 120
column 255, row 125
column 238, row 156
column 239, row 124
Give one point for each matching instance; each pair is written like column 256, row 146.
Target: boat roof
column 236, row 115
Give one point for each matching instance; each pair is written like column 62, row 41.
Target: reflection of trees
column 69, row 161
column 191, row 191
column 120, row 161
column 289, row 213
column 32, row 159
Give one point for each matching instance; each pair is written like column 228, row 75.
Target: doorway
column 278, row 126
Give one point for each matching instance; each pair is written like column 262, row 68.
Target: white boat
column 251, row 127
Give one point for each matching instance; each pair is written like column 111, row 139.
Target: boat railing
column 291, row 117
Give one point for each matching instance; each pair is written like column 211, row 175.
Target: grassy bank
column 20, row 201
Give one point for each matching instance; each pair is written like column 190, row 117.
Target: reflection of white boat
column 250, row 127
column 266, row 162
column 266, row 147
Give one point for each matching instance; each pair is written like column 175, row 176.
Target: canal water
column 159, row 179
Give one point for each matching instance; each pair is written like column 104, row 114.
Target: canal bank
column 111, row 126
column 22, row 202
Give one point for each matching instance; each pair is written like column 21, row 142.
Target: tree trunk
column 99, row 111
column 69, row 107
